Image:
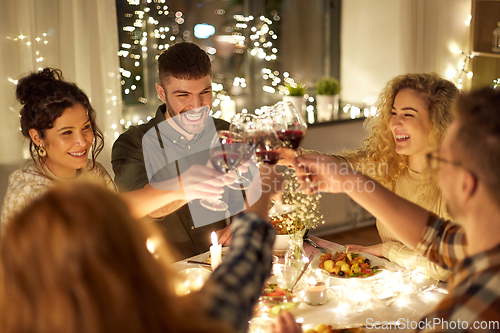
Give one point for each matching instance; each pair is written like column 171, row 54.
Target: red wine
column 225, row 161
column 291, row 138
column 269, row 156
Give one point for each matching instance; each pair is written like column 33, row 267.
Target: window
column 254, row 45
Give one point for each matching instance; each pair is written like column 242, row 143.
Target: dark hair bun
column 35, row 84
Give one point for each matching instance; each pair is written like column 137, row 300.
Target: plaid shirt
column 473, row 302
column 235, row 286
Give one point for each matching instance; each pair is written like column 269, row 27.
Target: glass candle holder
column 191, row 279
column 316, row 291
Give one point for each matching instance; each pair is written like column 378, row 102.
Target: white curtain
column 432, row 30
column 80, row 37
column 384, row 38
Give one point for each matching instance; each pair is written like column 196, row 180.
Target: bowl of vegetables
column 351, row 264
column 277, row 293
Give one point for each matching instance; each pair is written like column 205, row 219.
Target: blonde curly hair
column 379, row 150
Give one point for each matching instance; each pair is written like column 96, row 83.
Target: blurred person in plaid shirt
column 467, row 166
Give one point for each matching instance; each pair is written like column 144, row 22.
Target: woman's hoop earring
column 41, row 151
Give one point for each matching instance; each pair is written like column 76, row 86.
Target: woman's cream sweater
column 415, row 188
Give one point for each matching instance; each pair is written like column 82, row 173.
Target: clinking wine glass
column 226, row 154
column 289, row 124
column 240, row 123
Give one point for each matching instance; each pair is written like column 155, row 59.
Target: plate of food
column 349, row 264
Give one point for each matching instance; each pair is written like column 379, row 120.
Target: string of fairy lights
column 37, row 43
column 461, row 72
column 39, row 46
column 258, row 35
column 152, row 23
column 496, row 83
column 144, row 21
column 261, row 44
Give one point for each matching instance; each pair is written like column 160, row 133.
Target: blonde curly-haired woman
column 413, row 113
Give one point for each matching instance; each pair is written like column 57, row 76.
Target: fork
column 310, row 241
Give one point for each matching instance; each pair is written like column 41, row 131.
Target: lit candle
column 215, row 252
column 315, row 292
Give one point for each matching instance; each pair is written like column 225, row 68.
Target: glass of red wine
column 226, row 153
column 265, row 141
column 289, row 124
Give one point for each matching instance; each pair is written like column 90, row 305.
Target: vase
column 298, row 102
column 327, row 107
column 295, row 255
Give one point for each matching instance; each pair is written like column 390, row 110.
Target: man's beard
column 178, row 118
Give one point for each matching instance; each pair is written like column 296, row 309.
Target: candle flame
column 150, row 244
column 312, row 281
column 214, row 238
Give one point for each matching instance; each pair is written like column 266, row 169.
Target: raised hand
column 287, row 158
column 318, row 173
column 203, row 182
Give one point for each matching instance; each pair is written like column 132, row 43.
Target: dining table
column 393, row 300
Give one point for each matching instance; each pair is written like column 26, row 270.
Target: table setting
column 323, row 284
column 395, row 298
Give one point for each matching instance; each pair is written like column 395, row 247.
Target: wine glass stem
column 290, row 171
column 309, row 182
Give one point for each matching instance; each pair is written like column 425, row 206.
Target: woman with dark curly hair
column 413, row 113
column 60, row 124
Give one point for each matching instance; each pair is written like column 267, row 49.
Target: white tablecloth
column 407, row 308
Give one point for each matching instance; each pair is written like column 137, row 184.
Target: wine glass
column 264, row 140
column 289, row 124
column 291, row 128
column 226, row 153
column 240, row 123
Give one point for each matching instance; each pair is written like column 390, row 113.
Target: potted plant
column 327, row 98
column 294, row 92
